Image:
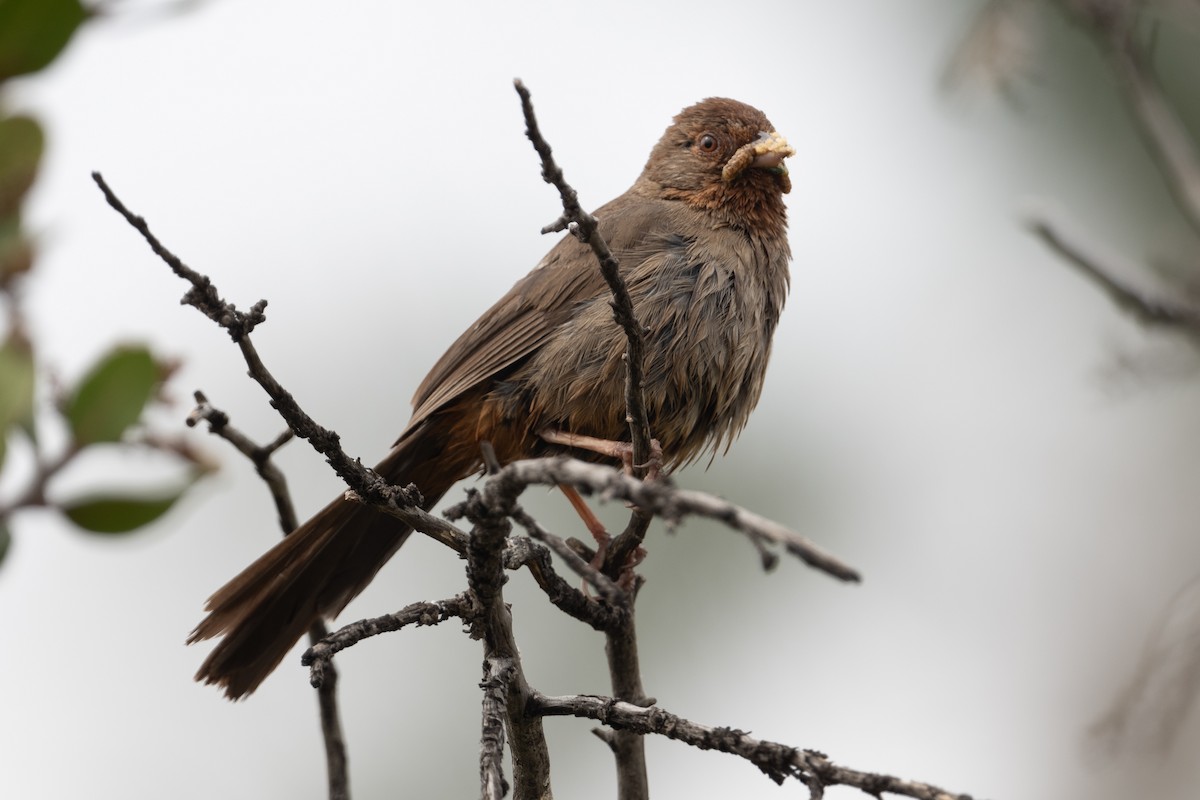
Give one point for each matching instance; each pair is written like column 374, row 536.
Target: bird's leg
column 612, row 449
column 608, row 447
column 590, row 521
column 603, row 539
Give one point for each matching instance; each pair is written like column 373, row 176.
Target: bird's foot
column 611, row 448
column 627, row 578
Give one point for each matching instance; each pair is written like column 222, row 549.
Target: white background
column 939, row 411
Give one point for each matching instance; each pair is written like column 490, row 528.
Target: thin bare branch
column 601, row 615
column 497, row 675
column 633, row 783
column 660, row 498
column 1098, row 267
column 778, row 761
column 259, row 455
column 602, row 583
column 336, row 761
column 319, row 657
column 203, row 295
column 584, row 226
column 485, row 577
column 367, row 486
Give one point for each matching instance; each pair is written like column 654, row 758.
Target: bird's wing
column 507, row 332
column 528, row 314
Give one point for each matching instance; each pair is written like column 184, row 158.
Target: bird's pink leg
column 608, row 447
column 590, row 521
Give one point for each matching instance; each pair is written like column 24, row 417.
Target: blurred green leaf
column 33, row 32
column 5, row 541
column 16, row 383
column 3, row 448
column 115, row 514
column 21, row 145
column 111, row 397
column 16, row 252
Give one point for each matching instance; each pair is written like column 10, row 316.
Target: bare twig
column 259, row 455
column 401, row 502
column 662, row 499
column 632, row 781
column 319, row 657
column 336, row 761
column 1154, row 311
column 601, row 615
column 777, row 761
column 609, row 590
column 518, row 553
column 602, row 583
column 203, row 295
column 585, row 227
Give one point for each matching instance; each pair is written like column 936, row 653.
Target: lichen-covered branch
column 662, row 499
column 778, row 761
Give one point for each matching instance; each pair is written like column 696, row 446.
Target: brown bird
column 702, row 241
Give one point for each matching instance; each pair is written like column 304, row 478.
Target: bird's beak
column 766, row 152
column 769, row 152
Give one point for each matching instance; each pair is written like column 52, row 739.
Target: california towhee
column 702, row 241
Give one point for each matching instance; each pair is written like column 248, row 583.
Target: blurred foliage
column 34, row 32
column 1150, row 50
column 111, row 397
column 106, row 407
column 16, row 386
column 103, row 514
column 1143, row 53
column 19, row 156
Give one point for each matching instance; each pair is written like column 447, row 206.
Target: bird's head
column 723, row 156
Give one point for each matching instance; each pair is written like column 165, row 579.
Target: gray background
column 941, row 409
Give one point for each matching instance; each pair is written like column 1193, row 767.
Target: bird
column 701, row 238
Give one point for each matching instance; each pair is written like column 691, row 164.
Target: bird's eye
column 707, row 143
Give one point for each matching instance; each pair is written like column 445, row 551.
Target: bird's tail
column 313, row 572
